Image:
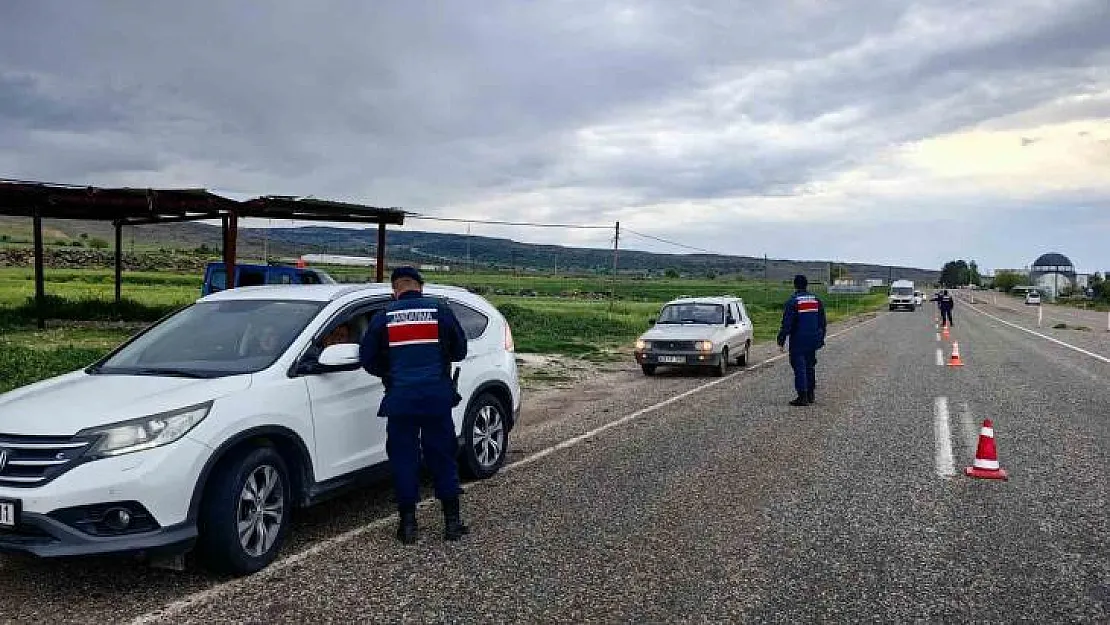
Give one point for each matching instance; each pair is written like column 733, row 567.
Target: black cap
column 800, row 282
column 406, row 272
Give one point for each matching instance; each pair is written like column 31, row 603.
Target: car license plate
column 9, row 513
column 672, row 359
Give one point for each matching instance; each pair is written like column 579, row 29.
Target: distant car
column 697, row 332
column 215, row 276
column 1032, row 298
column 918, row 298
column 208, row 428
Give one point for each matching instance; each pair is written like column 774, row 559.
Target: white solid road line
column 1038, row 334
column 946, row 466
column 940, row 357
column 204, row 596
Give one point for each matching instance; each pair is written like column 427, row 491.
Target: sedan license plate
column 672, row 359
column 9, row 513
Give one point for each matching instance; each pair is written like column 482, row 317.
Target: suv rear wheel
column 485, row 437
column 244, row 517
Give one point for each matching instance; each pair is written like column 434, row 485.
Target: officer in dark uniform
column 803, row 322
column 946, row 303
column 411, row 347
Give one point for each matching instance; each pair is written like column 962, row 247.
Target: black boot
column 453, row 527
column 406, row 527
column 801, row 400
column 810, row 397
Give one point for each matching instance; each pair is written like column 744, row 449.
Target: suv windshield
column 901, row 290
column 692, row 313
column 213, row 339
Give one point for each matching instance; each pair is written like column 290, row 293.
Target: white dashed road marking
column 946, row 466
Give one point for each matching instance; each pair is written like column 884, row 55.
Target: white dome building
column 1052, row 273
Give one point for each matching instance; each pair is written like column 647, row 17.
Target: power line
column 675, row 243
column 494, row 222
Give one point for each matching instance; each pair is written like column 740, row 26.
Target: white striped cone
column 986, row 456
column 955, row 361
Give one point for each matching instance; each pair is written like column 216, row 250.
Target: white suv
column 209, row 427
column 698, row 332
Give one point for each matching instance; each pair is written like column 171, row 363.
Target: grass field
column 557, row 316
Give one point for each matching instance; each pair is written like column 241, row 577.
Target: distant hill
column 455, row 250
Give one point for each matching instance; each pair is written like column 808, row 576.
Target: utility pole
column 469, row 267
column 766, row 279
column 616, row 257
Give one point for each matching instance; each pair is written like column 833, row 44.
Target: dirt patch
column 552, row 371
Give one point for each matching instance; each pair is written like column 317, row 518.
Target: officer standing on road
column 946, row 304
column 411, row 347
column 804, row 323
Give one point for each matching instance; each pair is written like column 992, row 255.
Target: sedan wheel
column 722, row 367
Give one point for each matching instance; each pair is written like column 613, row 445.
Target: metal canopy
column 133, row 207
column 55, row 201
column 311, row 209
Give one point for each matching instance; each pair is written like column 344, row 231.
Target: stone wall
column 95, row 259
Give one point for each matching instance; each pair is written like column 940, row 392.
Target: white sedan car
column 208, row 428
column 697, row 332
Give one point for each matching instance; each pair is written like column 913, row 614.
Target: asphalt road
column 722, row 504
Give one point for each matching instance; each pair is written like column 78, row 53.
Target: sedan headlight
column 704, row 346
column 145, row 432
column 643, row 345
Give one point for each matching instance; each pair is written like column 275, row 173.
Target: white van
column 902, row 295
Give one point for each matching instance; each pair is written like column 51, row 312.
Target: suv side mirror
column 652, row 321
column 339, row 357
column 731, row 321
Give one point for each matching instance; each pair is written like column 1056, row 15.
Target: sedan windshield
column 214, row 339
column 692, row 313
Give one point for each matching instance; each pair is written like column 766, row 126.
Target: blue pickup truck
column 215, row 276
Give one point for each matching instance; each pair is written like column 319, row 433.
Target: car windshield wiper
column 170, row 371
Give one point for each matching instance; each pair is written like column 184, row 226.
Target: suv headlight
column 704, row 346
column 643, row 345
column 145, row 432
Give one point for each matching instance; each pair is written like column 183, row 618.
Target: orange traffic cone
column 986, row 456
column 946, row 334
column 955, row 361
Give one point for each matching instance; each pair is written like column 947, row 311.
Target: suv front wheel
column 244, row 518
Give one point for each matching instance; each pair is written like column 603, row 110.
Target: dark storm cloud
column 598, row 104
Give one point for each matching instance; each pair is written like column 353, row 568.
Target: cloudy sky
column 869, row 130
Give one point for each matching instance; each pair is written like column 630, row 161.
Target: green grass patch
column 85, row 309
column 572, row 316
column 21, row 365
